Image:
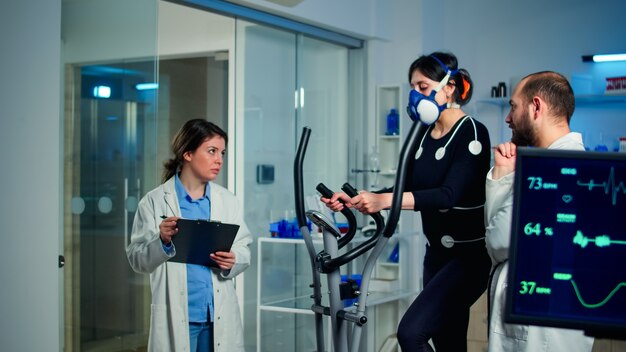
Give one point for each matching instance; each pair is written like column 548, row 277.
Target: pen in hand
column 163, row 217
column 166, row 217
column 166, row 229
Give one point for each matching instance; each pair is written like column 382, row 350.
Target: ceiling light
column 604, row 58
column 102, row 92
column 147, row 86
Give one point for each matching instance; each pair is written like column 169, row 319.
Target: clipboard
column 196, row 239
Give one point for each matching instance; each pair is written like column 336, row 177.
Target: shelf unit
column 388, row 97
column 582, row 101
column 498, row 129
column 587, row 99
column 599, row 99
column 284, row 318
column 393, row 96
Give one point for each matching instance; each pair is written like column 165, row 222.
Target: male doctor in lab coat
column 542, row 105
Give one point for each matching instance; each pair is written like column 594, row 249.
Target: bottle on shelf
column 499, row 91
column 393, row 123
column 374, row 168
column 394, row 257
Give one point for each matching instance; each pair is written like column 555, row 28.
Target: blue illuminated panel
column 102, row 92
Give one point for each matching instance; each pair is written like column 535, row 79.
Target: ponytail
column 170, row 168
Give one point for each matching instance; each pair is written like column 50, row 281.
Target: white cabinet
column 389, row 146
column 285, row 321
column 388, row 97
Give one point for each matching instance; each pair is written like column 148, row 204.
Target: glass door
column 118, row 143
column 123, row 106
column 110, row 143
column 111, row 294
column 266, row 109
column 289, row 81
column 322, row 82
column 110, row 163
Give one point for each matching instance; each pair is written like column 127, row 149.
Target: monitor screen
column 568, row 241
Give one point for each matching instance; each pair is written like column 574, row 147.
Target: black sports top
column 450, row 192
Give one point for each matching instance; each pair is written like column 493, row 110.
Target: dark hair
column 429, row 66
column 189, row 138
column 552, row 87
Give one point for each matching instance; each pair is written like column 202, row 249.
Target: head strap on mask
column 446, row 78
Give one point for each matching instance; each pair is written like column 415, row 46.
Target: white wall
column 30, row 145
column 389, row 59
column 499, row 40
column 506, row 40
column 103, row 31
column 353, row 17
column 203, row 32
column 90, row 36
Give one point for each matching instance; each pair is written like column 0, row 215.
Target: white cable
column 448, row 241
column 469, row 208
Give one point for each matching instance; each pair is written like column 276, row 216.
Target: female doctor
column 194, row 308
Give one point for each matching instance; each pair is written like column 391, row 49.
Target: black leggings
column 441, row 311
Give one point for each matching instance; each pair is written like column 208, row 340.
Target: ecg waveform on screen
column 610, row 186
column 598, row 304
column 568, row 277
column 600, row 241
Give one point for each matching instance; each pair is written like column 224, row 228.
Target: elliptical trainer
column 346, row 323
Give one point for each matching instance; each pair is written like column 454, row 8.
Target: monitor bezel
column 592, row 328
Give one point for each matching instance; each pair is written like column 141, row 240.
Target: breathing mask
column 425, row 108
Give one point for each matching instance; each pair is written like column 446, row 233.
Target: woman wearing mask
column 445, row 183
column 194, row 307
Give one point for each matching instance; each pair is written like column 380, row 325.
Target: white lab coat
column 169, row 328
column 510, row 337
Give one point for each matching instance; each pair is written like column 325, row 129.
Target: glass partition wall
column 289, row 81
column 110, row 161
column 261, row 84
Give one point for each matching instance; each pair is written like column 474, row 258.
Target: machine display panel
column 568, row 241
